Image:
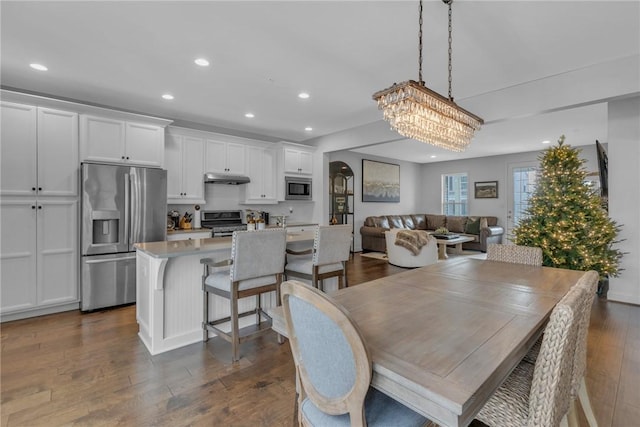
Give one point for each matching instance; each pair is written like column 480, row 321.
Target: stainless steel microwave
column 297, row 188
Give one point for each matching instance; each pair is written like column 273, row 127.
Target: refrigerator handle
column 127, row 208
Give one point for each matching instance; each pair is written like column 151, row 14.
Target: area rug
column 376, row 255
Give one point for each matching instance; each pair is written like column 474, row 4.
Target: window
column 454, row 194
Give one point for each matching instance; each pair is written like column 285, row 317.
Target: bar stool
column 327, row 258
column 255, row 268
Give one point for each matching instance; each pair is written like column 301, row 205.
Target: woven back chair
column 333, row 366
column 256, row 267
column 589, row 284
column 514, row 254
column 540, row 394
column 328, row 257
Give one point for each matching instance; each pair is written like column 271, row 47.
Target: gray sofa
column 373, row 238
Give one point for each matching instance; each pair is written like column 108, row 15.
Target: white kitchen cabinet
column 261, row 167
column 185, row 169
column 38, row 253
column 225, row 157
column 110, row 140
column 39, row 151
column 297, row 161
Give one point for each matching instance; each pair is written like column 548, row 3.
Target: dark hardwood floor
column 92, row 370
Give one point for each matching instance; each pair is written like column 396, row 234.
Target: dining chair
column 328, row 257
column 255, row 267
column 333, row 365
column 539, row 395
column 514, row 254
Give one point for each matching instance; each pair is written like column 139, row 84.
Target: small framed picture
column 486, row 190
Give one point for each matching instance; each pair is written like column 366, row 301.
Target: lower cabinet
column 261, row 168
column 188, row 235
column 38, row 255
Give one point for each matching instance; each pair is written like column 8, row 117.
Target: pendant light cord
column 420, row 47
column 449, row 2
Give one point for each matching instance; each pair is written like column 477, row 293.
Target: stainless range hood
column 221, row 178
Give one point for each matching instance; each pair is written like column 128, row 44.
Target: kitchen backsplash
column 226, row 197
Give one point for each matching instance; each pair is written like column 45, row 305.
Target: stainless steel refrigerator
column 121, row 205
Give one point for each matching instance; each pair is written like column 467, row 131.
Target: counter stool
column 255, row 267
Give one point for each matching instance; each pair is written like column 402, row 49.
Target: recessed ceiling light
column 308, row 128
column 202, row 62
column 167, row 96
column 546, row 142
column 38, row 67
column 249, row 115
column 433, row 156
column 303, row 95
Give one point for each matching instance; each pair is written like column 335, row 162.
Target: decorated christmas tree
column 566, row 217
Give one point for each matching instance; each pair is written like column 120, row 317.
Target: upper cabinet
column 184, row 162
column 261, row 166
column 39, row 151
column 110, row 140
column 297, row 161
column 225, row 157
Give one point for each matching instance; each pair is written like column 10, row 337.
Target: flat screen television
column 603, row 165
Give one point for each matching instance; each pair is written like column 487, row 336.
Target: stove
column 222, row 223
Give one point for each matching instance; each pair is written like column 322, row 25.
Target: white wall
column 624, row 194
column 494, row 168
column 409, row 190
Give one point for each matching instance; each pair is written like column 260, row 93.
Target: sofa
column 484, row 230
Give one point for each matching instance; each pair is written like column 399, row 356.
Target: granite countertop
column 177, row 248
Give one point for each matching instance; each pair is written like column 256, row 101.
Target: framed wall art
column 486, row 190
column 380, row 182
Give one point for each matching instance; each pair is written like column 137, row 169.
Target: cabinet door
column 101, row 139
column 18, row 150
column 306, row 162
column 57, row 153
column 291, row 160
column 173, row 165
column 57, row 252
column 215, row 156
column 261, row 170
column 193, row 170
column 18, row 255
column 236, row 159
column 144, row 144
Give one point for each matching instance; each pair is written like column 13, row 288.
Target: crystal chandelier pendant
column 419, row 113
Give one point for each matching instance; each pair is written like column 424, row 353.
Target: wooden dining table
column 442, row 338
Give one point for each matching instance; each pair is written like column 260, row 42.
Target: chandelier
column 417, row 112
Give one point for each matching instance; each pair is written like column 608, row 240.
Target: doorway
column 522, row 183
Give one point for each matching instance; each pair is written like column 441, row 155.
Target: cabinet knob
column 39, row 188
column 122, row 157
column 33, row 207
column 127, row 157
column 39, row 206
column 33, row 188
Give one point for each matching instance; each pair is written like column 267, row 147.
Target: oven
column 223, row 223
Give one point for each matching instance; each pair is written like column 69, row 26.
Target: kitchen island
column 169, row 289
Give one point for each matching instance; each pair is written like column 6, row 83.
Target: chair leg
column 258, row 310
column 572, row 415
column 586, row 404
column 235, row 330
column 340, row 282
column 205, row 315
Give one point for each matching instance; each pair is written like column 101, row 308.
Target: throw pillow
column 483, row 223
column 473, row 226
column 456, row 224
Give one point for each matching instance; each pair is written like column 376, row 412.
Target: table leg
column 442, row 251
column 459, row 248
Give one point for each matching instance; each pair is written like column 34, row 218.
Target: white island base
column 169, row 306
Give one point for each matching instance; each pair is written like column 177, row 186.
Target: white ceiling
column 126, row 54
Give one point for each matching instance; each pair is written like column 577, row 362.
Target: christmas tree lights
column 566, row 218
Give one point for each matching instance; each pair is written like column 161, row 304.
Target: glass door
column 522, row 184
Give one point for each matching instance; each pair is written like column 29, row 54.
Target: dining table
column 443, row 337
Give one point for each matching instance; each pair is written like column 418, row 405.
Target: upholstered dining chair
column 328, row 257
column 539, row 395
column 514, row 254
column 256, row 267
column 333, row 365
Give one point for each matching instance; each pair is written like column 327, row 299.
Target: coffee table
column 457, row 242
